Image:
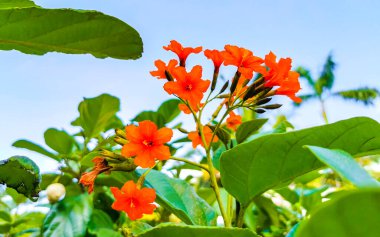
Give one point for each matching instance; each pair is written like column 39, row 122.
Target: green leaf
column 95, row 114
column 180, row 198
column 4, row 4
column 364, row 95
column 6, row 216
column 153, row 116
column 108, row 233
column 354, row 214
column 169, row 110
column 274, row 160
column 172, row 230
column 34, row 147
column 246, row 129
column 60, row 141
column 34, row 30
column 327, row 77
column 21, row 174
column 223, row 135
column 68, row 217
column 305, row 73
column 5, row 227
column 99, row 219
column 345, row 165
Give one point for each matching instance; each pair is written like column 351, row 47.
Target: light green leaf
column 60, row 141
column 34, row 30
column 5, row 216
column 180, row 198
column 172, row 230
column 103, row 232
column 34, row 147
column 250, row 169
column 246, row 129
column 355, row 214
column 345, row 165
column 21, row 174
column 153, row 116
column 99, row 219
column 169, row 110
column 68, row 217
column 95, row 114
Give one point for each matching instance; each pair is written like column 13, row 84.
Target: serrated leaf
column 21, row 174
column 68, row 217
column 169, row 110
column 353, row 214
column 250, row 169
column 34, row 147
column 345, row 165
column 172, row 230
column 95, row 114
column 246, row 129
column 59, row 140
column 35, row 30
column 180, row 198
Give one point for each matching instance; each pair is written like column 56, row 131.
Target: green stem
column 324, row 113
column 190, row 163
column 240, row 218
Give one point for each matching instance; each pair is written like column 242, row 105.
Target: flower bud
column 55, row 192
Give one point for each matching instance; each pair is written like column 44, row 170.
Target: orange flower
column 243, row 59
column 233, row 121
column 88, row 178
column 182, row 52
column 196, row 138
column 162, row 68
column 290, row 86
column 279, row 74
column 133, row 200
column 216, row 57
column 186, row 109
column 146, row 143
column 188, row 85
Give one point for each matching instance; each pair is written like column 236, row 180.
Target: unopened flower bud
column 55, row 192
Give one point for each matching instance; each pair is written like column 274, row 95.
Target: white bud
column 55, row 192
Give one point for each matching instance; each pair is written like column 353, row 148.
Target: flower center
column 148, row 143
column 189, row 87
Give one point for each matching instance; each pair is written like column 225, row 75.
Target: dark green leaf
column 246, row 129
column 222, row 134
column 169, row 110
column 354, row 214
column 345, row 165
column 250, row 169
column 34, row 30
column 180, row 198
column 34, row 147
column 60, row 141
column 153, row 116
column 364, row 95
column 21, row 174
column 172, row 230
column 95, row 114
column 68, row 217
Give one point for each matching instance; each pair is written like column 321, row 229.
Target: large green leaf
column 246, row 129
column 34, row 147
column 273, row 160
column 59, row 140
column 21, row 174
column 153, row 116
column 99, row 220
column 356, row 214
column 169, row 110
column 95, row 114
column 172, row 230
column 345, row 165
column 33, row 30
column 180, row 198
column 68, row 217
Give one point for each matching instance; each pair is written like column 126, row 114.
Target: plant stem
column 240, row 218
column 190, row 163
column 324, row 113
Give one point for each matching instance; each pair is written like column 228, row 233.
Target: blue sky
column 41, row 92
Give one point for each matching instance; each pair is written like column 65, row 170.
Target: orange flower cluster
column 133, row 200
column 88, row 178
column 146, row 143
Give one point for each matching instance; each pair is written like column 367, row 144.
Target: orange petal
column 163, row 135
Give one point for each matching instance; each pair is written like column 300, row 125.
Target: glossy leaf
column 34, row 147
column 246, row 129
column 68, row 217
column 273, row 160
column 172, row 230
column 345, row 165
column 59, row 140
column 180, row 198
column 354, row 214
column 169, row 110
column 34, row 30
column 95, row 114
column 21, row 174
